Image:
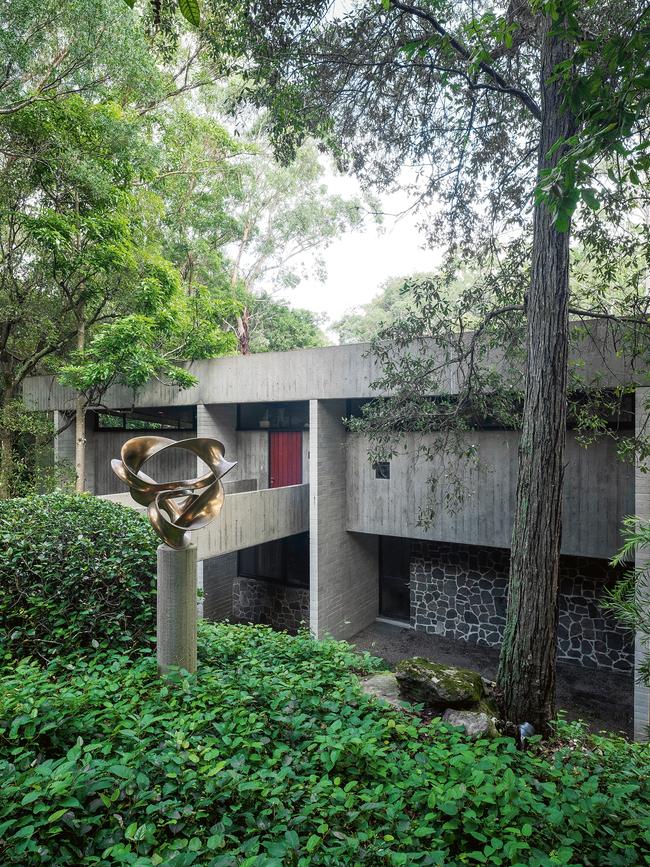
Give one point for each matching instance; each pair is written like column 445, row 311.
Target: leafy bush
column 629, row 601
column 73, row 570
column 273, row 757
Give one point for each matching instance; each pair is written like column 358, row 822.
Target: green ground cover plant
column 75, row 572
column 273, row 757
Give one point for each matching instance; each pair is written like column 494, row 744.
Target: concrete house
column 313, row 533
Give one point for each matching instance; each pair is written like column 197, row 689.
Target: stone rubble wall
column 460, row 592
column 277, row 605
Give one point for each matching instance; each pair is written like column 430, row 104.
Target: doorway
column 285, row 458
column 395, row 578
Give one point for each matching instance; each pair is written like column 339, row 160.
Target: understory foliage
column 273, row 757
column 630, row 599
column 75, row 572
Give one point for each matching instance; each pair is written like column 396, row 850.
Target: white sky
column 359, row 262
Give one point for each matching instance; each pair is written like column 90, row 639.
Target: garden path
column 603, row 699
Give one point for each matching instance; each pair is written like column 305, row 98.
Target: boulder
column 384, row 686
column 439, row 686
column 477, row 724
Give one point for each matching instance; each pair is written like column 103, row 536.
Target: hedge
column 75, row 572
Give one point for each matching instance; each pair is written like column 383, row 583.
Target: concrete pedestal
column 176, row 609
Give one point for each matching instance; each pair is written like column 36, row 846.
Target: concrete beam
column 247, row 518
column 332, row 372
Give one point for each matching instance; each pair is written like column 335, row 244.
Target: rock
column 383, row 685
column 439, row 686
column 476, row 724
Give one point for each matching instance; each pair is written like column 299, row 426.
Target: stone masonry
column 277, row 605
column 460, row 591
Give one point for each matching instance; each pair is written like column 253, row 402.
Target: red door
column 285, row 458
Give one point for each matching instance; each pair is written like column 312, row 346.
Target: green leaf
column 191, row 11
column 589, row 198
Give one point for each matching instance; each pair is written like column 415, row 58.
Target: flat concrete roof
column 329, row 372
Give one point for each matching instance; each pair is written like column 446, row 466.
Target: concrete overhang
column 331, row 372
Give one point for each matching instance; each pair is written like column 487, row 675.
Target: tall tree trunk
column 244, row 331
column 80, row 424
column 527, row 664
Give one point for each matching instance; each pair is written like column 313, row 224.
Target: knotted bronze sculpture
column 175, row 508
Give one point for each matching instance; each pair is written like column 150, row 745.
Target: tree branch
column 499, row 81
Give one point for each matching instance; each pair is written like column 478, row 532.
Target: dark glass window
column 150, row 419
column 284, row 561
column 394, row 578
column 291, row 415
column 382, row 469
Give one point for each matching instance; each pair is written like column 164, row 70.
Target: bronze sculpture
column 175, row 507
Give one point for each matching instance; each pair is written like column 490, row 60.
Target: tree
column 493, row 110
column 208, row 184
column 170, row 328
column 53, row 50
column 70, row 225
column 91, row 169
column 361, row 324
column 286, row 214
column 275, row 326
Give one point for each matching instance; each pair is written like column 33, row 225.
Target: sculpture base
column 176, row 609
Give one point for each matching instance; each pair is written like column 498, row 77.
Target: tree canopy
column 527, row 127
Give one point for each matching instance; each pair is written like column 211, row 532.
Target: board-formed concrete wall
column 218, row 574
column 599, row 492
column 250, row 448
column 344, row 586
column 64, row 443
column 103, row 446
column 248, row 518
column 324, row 373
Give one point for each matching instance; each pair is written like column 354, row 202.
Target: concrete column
column 642, row 511
column 93, row 440
column 64, row 449
column 344, row 580
column 218, row 421
column 64, row 443
column 176, row 609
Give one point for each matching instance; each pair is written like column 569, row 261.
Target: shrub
column 274, row 757
column 75, row 571
column 630, row 599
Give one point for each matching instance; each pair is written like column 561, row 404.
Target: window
column 178, row 418
column 285, row 561
column 382, row 469
column 293, row 415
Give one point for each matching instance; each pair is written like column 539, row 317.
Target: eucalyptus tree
column 276, row 326
column 51, row 50
column 509, row 119
column 288, row 216
column 67, row 221
column 86, row 145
